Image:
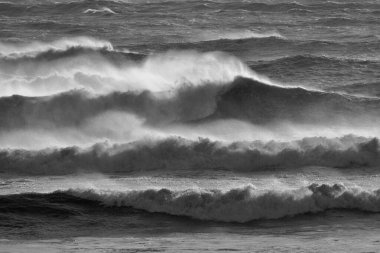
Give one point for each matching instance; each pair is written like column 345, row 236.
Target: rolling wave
column 91, row 65
column 83, row 91
column 63, row 109
column 242, row 99
column 180, row 155
column 236, row 205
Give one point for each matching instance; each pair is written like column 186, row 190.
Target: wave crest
column 240, row 204
column 15, row 50
column 104, row 10
column 101, row 72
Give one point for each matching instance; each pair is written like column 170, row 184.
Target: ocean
column 189, row 126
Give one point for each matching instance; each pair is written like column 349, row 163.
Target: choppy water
column 189, row 126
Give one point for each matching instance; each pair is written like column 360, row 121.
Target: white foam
column 237, row 35
column 98, row 75
column 101, row 10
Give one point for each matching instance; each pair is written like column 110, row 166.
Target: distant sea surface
column 189, row 126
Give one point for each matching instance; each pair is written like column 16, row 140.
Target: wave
column 117, row 57
column 100, row 72
column 274, row 47
column 11, row 9
column 104, row 10
column 308, row 59
column 237, row 35
column 235, row 205
column 14, row 50
column 364, row 89
column 64, row 6
column 259, row 103
column 242, row 99
column 232, row 43
column 329, row 5
column 180, row 155
column 59, row 7
column 53, row 25
column 40, row 69
column 321, row 72
column 300, row 11
column 16, row 8
column 266, row 7
column 298, row 63
column 338, row 21
column 60, row 110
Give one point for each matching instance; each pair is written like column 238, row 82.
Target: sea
column 189, row 126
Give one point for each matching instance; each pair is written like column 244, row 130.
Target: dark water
column 189, row 125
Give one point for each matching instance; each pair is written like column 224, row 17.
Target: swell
column 64, row 7
column 180, row 155
column 321, row 71
column 320, row 64
column 235, row 205
column 54, row 26
column 347, row 6
column 256, row 102
column 10, row 9
column 223, row 44
column 366, row 89
column 255, row 46
column 344, row 21
column 289, row 7
column 60, row 8
column 34, row 48
column 75, row 51
column 301, row 60
column 20, row 8
column 275, row 7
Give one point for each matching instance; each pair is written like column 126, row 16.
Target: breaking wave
column 181, row 155
column 82, row 91
column 242, row 99
column 235, row 205
column 94, row 66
